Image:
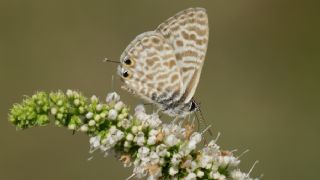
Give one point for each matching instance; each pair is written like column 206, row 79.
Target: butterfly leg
column 205, row 123
column 207, row 128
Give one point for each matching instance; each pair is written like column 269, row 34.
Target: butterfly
column 164, row 66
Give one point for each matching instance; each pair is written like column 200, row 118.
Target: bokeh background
column 259, row 86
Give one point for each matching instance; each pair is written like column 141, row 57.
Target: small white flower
column 127, row 144
column 153, row 132
column 59, row 116
column 119, row 134
column 76, row 102
column 112, row 129
column 84, row 128
column 187, row 163
column 125, row 123
column 218, row 176
column 173, row 170
column 191, row 176
column 119, row 105
column 152, row 140
column 154, row 158
column 140, row 139
column 60, row 102
column 112, row 115
column 141, row 116
column 191, row 146
column 234, row 161
column 161, row 161
column 103, row 114
column 208, row 166
column 154, row 120
column 214, row 167
column 92, row 123
column 161, row 150
column 212, row 149
column 238, row 175
column 99, row 107
column 129, row 137
column 143, row 152
column 112, row 97
column 54, row 111
column 104, row 141
column 228, row 160
column 72, row 126
column 97, row 117
column 94, row 99
column 69, row 93
column 194, row 165
column 140, row 108
column 134, row 129
column 121, row 117
column 89, row 115
column 176, row 159
column 205, row 161
column 95, row 141
column 171, row 140
column 140, row 172
column 200, row 173
column 195, row 137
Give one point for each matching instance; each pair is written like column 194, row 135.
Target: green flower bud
column 54, row 111
column 97, row 117
column 81, row 109
column 76, row 102
column 91, row 123
column 59, row 116
column 103, row 115
column 60, row 103
column 72, row 126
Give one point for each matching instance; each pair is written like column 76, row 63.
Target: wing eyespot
column 126, row 74
column 128, row 62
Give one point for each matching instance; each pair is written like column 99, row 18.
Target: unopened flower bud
column 112, row 114
column 91, row 123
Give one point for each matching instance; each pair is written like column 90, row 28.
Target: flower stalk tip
column 155, row 150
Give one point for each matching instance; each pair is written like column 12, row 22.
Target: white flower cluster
column 158, row 150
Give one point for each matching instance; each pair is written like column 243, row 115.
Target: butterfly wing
column 188, row 32
column 149, row 69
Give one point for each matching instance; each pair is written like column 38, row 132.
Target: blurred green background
column 259, row 86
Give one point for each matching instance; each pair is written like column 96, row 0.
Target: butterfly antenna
column 205, row 123
column 109, row 60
